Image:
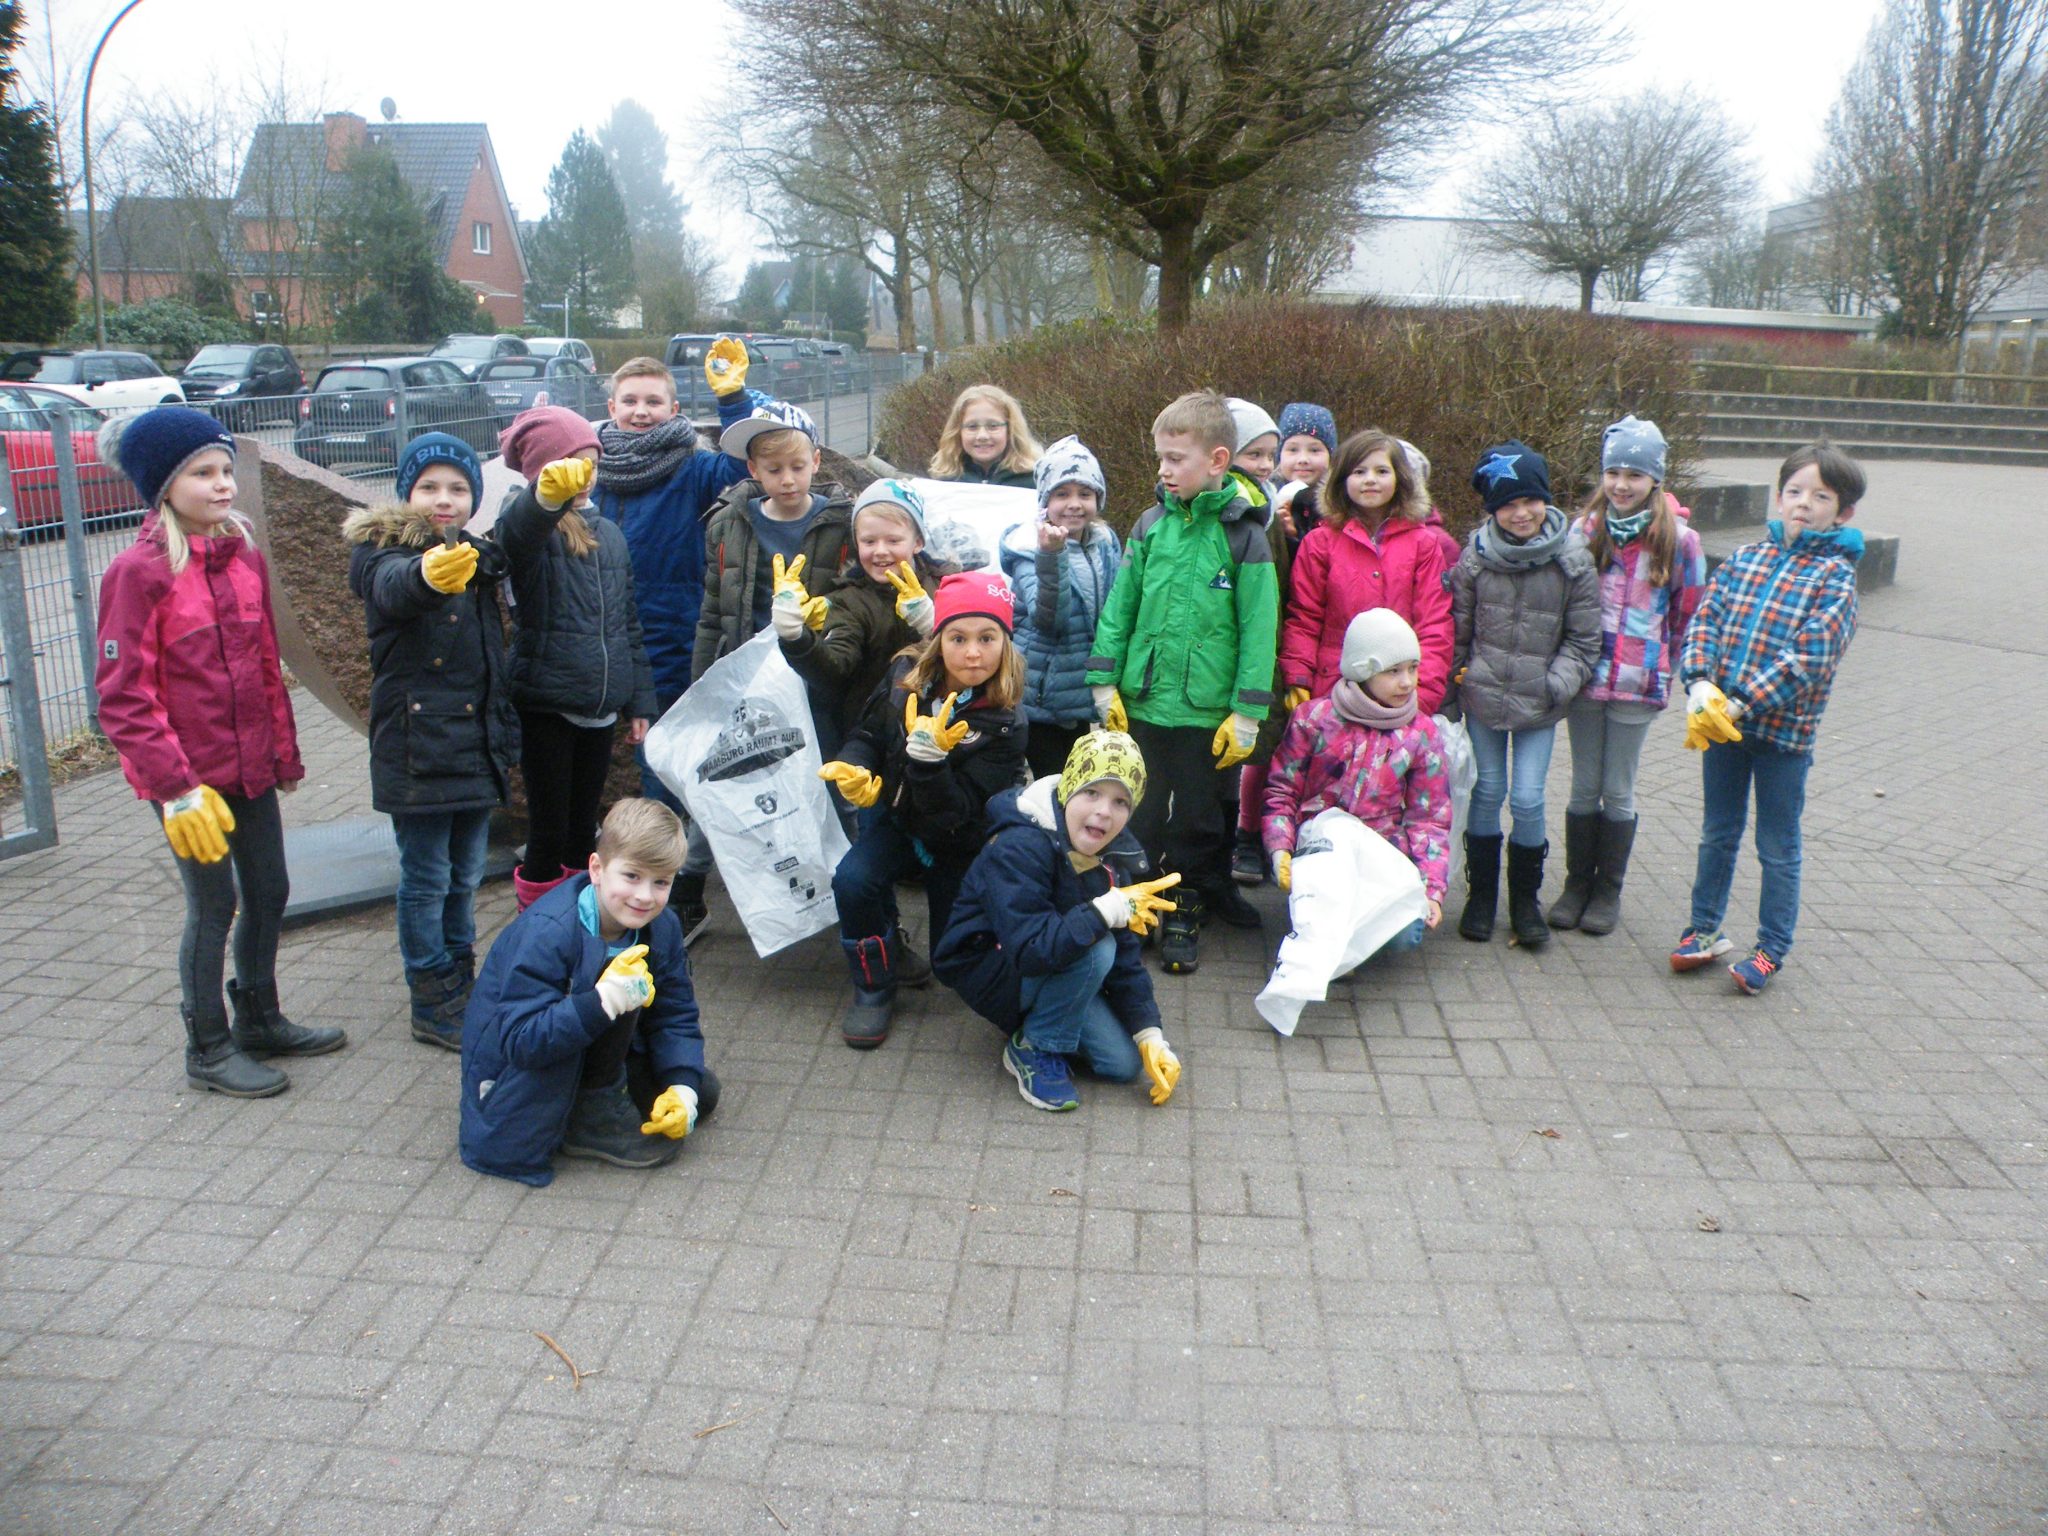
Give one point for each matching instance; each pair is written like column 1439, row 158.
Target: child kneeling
column 1045, row 935
column 1368, row 749
column 587, row 991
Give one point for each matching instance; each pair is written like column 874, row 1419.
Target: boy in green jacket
column 1185, row 648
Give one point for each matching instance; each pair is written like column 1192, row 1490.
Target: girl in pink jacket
column 193, row 699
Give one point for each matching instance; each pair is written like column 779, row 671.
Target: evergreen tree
column 37, row 294
column 387, row 280
column 756, row 304
column 584, row 245
column 637, row 152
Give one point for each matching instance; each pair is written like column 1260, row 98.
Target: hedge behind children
column 192, row 698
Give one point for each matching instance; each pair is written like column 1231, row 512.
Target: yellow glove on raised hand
column 1295, row 698
column 1109, row 707
column 449, row 569
column 1283, row 870
column 1161, row 1065
column 626, row 983
column 928, row 738
column 725, row 365
column 1146, row 902
column 913, row 603
column 1234, row 740
column 562, row 482
column 674, row 1114
column 198, row 823
column 861, row 788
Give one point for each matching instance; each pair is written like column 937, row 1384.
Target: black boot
column 866, row 1024
column 911, row 968
column 1226, row 903
column 1525, row 889
column 604, row 1125
column 1604, row 910
column 262, row 1030
column 686, row 900
column 1482, row 887
column 213, row 1061
column 439, row 999
column 1180, row 933
column 1581, row 863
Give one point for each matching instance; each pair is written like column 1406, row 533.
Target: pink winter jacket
column 1396, row 782
column 1338, row 574
column 190, row 688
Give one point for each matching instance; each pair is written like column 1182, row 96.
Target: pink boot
column 526, row 892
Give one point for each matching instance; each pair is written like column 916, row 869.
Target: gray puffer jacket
column 1528, row 625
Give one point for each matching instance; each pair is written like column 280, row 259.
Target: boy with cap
column 1044, row 941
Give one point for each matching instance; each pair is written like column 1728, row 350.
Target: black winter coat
column 943, row 805
column 578, row 648
column 443, row 732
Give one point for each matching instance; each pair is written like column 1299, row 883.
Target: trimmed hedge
column 1449, row 380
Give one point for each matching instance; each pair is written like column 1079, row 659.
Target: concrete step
column 1792, row 434
column 1879, row 566
column 1838, row 408
column 1922, row 433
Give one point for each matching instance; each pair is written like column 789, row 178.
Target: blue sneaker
column 1696, row 949
column 1754, row 974
column 1043, row 1078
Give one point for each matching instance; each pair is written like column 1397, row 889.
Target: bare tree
column 1936, row 148
column 286, row 191
column 1614, row 190
column 1739, row 265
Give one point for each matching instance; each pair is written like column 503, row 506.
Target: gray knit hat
column 1252, row 423
column 1376, row 641
column 1068, row 462
column 1632, row 443
column 898, row 496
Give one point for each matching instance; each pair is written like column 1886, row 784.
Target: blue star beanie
column 1301, row 419
column 1509, row 471
column 439, row 448
column 1632, row 443
column 151, row 448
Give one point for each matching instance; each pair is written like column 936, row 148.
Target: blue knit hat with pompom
column 151, row 448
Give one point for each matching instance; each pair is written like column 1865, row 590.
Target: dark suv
column 355, row 412
column 243, row 384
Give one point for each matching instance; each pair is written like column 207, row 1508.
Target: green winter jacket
column 726, row 619
column 1191, row 629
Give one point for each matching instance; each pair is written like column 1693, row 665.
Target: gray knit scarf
column 1361, row 708
column 638, row 461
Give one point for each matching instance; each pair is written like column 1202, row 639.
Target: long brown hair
column 1410, row 501
column 1660, row 539
column 1004, row 690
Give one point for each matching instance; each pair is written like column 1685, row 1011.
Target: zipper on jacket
column 1756, row 612
column 604, row 639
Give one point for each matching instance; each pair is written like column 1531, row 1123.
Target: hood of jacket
column 392, row 523
column 1840, row 540
column 1547, row 543
column 1037, row 804
column 1259, row 493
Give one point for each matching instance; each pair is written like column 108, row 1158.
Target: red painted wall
column 1707, row 335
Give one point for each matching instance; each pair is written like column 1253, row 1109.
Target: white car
column 562, row 346
column 107, row 381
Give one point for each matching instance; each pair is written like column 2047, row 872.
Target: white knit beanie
column 1252, row 423
column 1377, row 641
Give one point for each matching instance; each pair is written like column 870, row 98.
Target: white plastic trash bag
column 741, row 752
column 1463, row 769
column 965, row 521
column 1352, row 891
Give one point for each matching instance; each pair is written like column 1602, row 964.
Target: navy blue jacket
column 535, row 1012
column 664, row 527
column 1024, row 910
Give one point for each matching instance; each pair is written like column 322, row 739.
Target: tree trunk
column 938, row 298
column 1177, row 277
column 904, row 297
column 1588, row 276
column 966, row 312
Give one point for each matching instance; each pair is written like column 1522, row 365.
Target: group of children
column 1083, row 754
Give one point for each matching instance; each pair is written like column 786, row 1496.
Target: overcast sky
column 536, row 72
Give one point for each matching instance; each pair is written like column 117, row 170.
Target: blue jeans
column 1727, row 770
column 1524, row 795
column 440, row 864
column 1065, row 1014
column 864, row 884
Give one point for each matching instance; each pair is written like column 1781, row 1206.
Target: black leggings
column 612, row 1052
column 256, row 862
column 565, row 768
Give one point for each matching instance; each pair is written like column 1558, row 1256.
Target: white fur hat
column 1376, row 641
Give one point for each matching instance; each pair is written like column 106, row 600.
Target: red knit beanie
column 542, row 435
column 974, row 595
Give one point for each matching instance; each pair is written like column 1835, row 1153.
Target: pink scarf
column 1361, row 708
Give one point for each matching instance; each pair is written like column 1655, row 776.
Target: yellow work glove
column 725, row 365
column 674, row 1114
column 198, row 823
column 913, row 603
column 928, row 738
column 1709, row 716
column 449, row 569
column 1295, row 698
column 1283, row 870
column 791, row 608
column 861, row 788
column 1109, row 707
column 1161, row 1065
column 626, row 983
column 1146, row 902
column 1234, row 740
column 562, row 482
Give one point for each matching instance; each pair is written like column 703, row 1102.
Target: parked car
column 107, row 380
column 351, row 415
column 838, row 354
column 562, row 346
column 244, row 384
column 103, row 491
column 516, row 384
column 685, row 358
column 470, row 353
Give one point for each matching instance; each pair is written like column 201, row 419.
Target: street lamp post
column 92, row 228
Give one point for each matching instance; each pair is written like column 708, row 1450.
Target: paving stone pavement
column 1347, row 1282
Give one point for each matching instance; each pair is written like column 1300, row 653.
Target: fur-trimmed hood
column 394, row 522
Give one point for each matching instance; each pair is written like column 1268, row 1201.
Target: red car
column 103, row 490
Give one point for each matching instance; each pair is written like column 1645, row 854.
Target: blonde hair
column 643, row 833
column 578, row 537
column 178, row 543
column 1005, row 689
column 775, row 442
column 642, row 368
column 1660, row 538
column 1411, row 500
column 1202, row 415
column 1022, row 454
